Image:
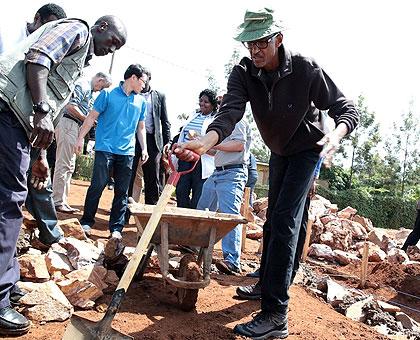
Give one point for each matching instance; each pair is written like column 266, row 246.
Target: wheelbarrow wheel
column 188, row 271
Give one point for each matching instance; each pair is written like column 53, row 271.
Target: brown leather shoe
column 228, row 268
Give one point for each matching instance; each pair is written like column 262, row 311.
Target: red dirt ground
column 149, row 311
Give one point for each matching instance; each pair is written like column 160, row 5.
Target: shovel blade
column 83, row 329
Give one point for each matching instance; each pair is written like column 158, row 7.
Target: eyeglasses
column 142, row 80
column 260, row 44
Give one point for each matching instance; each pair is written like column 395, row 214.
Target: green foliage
column 337, row 177
column 261, row 190
column 383, row 210
column 84, row 167
column 212, row 82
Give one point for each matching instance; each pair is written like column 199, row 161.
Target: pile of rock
column 70, row 274
column 339, row 236
column 386, row 318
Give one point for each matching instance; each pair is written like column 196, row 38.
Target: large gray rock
column 58, row 262
column 406, row 321
column 356, row 312
column 321, row 251
column 396, row 255
column 80, row 253
column 344, row 258
column 41, row 307
column 335, row 293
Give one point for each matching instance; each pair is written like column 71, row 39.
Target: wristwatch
column 42, row 107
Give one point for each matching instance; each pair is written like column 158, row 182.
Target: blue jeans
column 40, row 205
column 252, row 180
column 122, row 167
column 223, row 191
column 290, row 178
column 14, row 164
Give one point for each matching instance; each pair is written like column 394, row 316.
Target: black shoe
column 15, row 295
column 264, row 325
column 12, row 322
column 251, row 292
column 254, row 274
column 228, row 268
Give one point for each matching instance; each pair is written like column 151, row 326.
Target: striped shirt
column 53, row 45
column 195, row 125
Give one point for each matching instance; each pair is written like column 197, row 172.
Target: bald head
column 109, row 34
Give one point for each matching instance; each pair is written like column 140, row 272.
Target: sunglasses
column 260, row 44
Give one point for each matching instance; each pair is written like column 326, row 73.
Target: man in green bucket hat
column 287, row 92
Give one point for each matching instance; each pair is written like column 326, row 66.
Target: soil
column 149, row 309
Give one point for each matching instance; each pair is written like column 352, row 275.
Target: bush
column 84, row 167
column 261, row 190
column 385, row 211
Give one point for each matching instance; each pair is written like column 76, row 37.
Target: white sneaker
column 116, row 234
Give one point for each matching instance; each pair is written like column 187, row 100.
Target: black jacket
column 287, row 115
column 160, row 119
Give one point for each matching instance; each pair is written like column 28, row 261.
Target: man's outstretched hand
column 39, row 173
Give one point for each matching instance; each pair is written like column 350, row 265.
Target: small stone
column 387, row 307
column 33, row 267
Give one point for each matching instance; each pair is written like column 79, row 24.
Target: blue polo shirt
column 119, row 116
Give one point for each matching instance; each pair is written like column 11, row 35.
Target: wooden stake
column 307, row 238
column 363, row 272
column 247, row 194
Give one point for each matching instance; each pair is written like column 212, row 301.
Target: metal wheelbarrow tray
column 187, row 227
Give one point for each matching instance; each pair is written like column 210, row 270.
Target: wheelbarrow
column 185, row 227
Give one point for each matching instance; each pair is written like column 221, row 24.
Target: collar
column 284, row 68
column 91, row 50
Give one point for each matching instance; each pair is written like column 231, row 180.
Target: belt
column 230, row 166
column 73, row 119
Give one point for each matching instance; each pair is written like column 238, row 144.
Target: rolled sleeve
column 54, row 44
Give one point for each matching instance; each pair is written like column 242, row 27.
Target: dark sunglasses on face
column 260, row 44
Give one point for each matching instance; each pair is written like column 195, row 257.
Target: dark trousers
column 301, row 239
column 122, row 165
column 151, row 170
column 414, row 236
column 40, row 205
column 14, row 164
column 190, row 183
column 290, row 178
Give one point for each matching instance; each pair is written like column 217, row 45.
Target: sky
column 367, row 47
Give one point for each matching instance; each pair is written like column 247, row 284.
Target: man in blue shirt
column 120, row 113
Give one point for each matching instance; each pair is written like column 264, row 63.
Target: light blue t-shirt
column 119, row 116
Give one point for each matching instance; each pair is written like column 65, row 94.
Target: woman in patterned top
column 188, row 190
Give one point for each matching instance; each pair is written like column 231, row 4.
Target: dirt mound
column 405, row 278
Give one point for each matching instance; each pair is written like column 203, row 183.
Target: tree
column 212, row 82
column 406, row 135
column 363, row 144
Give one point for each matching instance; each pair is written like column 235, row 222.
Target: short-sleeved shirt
column 242, row 132
column 119, row 115
column 52, row 46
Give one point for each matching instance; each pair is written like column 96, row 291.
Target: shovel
column 82, row 329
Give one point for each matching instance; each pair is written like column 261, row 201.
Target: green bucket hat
column 258, row 25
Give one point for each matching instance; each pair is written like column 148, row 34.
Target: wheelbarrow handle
column 175, row 175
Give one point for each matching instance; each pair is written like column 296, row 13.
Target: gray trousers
column 14, row 164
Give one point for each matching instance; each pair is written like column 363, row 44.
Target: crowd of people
column 42, row 97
